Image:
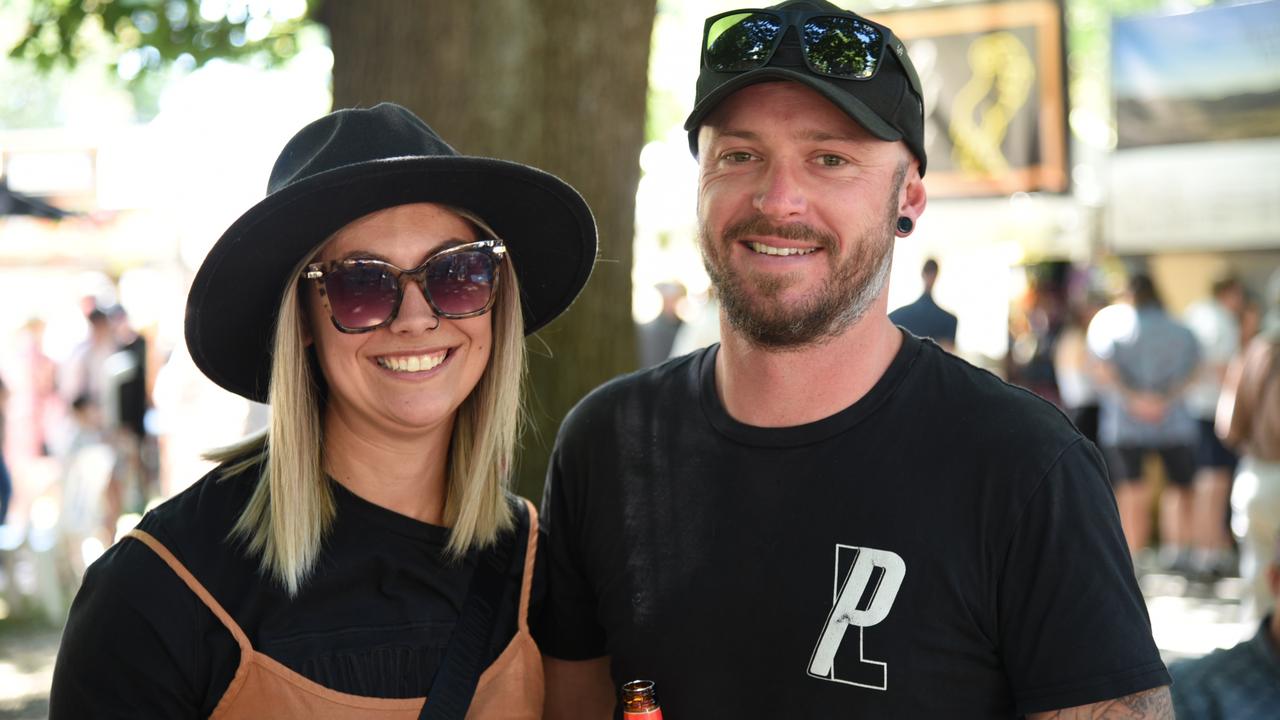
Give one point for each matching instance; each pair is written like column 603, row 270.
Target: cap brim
column 839, row 97
column 547, row 227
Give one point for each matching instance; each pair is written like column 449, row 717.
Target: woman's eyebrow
column 370, row 255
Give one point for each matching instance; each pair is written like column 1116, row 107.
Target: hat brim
column 841, row 98
column 230, row 323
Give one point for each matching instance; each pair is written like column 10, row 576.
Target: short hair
column 1143, row 290
column 930, row 267
column 1226, row 283
column 292, row 506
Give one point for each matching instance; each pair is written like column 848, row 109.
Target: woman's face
column 372, row 388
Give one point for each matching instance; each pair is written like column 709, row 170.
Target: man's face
column 796, row 208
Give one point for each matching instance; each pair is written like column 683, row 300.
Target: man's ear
column 912, row 198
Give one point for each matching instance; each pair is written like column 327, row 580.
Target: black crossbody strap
column 466, row 656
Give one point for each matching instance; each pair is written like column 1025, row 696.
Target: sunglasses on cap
column 363, row 294
column 844, row 47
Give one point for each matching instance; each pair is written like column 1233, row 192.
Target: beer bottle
column 639, row 702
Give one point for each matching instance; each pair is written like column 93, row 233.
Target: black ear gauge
column 905, row 225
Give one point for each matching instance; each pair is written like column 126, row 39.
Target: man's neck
column 771, row 388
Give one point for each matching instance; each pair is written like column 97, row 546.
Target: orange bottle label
column 655, row 714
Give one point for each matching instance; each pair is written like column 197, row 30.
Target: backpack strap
column 467, row 654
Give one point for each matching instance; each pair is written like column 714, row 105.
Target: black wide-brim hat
column 342, row 167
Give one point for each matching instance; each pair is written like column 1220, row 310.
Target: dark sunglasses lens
column 741, row 41
column 461, row 283
column 842, row 47
column 361, row 295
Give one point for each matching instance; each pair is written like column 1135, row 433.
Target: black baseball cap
column 888, row 104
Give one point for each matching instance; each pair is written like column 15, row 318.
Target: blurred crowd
column 93, row 432
column 77, row 449
column 1184, row 408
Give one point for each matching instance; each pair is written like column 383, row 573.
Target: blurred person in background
column 1249, row 420
column 1240, row 683
column 923, row 318
column 656, row 337
column 701, row 330
column 362, row 553
column 1216, row 324
column 134, row 480
column 1071, row 366
column 85, row 371
column 83, row 513
column 1143, row 361
column 6, row 482
column 33, row 404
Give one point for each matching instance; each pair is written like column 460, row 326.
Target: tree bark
column 557, row 84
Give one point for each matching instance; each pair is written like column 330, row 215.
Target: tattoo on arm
column 1155, row 704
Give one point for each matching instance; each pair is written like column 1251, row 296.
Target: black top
column 374, row 618
column 948, row 546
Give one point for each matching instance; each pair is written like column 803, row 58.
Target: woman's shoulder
column 198, row 520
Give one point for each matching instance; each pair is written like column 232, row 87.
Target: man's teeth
column 771, row 250
column 412, row 363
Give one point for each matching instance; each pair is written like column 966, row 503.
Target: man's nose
column 780, row 194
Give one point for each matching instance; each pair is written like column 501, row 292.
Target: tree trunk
column 558, row 84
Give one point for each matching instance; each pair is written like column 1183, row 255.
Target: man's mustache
column 758, row 225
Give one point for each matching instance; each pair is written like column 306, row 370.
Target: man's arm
column 577, row 689
column 1154, row 704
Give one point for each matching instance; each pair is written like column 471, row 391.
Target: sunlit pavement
column 26, row 669
column 1188, row 618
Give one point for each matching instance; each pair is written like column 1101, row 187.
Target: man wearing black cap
column 822, row 516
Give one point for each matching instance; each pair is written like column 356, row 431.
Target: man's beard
column 752, row 301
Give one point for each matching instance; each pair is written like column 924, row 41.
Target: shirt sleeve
column 567, row 627
column 1073, row 624
column 128, row 647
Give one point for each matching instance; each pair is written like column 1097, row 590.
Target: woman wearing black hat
column 363, row 553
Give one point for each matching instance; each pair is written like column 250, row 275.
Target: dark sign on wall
column 995, row 103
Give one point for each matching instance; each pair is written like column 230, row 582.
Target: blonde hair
column 292, row 505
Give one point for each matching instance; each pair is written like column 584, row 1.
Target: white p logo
column 882, row 588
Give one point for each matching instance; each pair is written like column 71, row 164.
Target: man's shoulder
column 986, row 412
column 643, row 388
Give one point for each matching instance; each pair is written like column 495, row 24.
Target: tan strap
column 526, row 583
column 181, row 571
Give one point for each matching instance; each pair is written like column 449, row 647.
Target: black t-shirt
column 948, row 546
column 374, row 618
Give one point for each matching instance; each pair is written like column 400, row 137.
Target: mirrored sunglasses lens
column 742, row 41
column 361, row 295
column 461, row 283
column 842, row 47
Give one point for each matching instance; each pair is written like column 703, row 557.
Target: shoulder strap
column 464, row 659
column 185, row 575
column 530, row 555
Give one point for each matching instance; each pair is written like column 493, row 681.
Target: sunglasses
column 845, row 47
column 363, row 294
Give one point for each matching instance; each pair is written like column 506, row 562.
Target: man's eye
column 738, row 157
column 832, row 160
